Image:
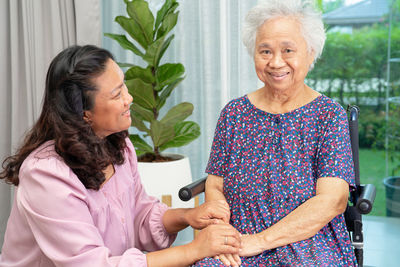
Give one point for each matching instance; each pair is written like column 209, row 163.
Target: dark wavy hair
column 70, row 90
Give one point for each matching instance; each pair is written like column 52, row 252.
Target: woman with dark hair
column 78, row 198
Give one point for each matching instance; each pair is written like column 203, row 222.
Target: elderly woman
column 281, row 155
column 79, row 200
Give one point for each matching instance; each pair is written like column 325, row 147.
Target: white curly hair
column 304, row 11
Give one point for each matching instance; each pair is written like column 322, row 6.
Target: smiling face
column 281, row 57
column 110, row 113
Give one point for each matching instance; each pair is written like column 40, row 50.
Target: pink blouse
column 56, row 221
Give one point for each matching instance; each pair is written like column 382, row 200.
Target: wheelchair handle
column 366, row 199
column 353, row 129
column 192, row 190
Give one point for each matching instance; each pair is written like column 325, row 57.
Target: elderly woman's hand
column 210, row 212
column 251, row 245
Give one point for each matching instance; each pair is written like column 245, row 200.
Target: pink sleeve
column 54, row 205
column 148, row 214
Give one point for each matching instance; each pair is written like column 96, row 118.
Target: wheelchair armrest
column 192, row 190
column 364, row 202
column 366, row 198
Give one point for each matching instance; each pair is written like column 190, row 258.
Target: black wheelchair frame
column 360, row 200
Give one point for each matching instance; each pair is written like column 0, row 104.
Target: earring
column 86, row 118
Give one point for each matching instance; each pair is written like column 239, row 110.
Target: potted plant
column 150, row 87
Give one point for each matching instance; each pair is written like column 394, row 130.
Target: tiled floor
column 381, row 241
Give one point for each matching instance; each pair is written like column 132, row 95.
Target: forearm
column 199, row 217
column 175, row 220
column 174, row 256
column 302, row 223
column 214, row 188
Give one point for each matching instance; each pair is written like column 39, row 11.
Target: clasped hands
column 218, row 237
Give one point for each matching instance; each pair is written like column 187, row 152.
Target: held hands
column 251, row 245
column 216, row 239
column 210, row 212
column 219, row 239
column 223, row 242
column 229, row 259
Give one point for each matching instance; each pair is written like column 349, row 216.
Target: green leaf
column 146, row 114
column 125, row 43
column 140, row 144
column 139, row 11
column 168, row 7
column 152, row 51
column 156, row 50
column 138, row 72
column 168, row 24
column 178, row 113
column 161, row 133
column 133, row 29
column 163, row 49
column 167, row 92
column 185, row 132
column 138, row 123
column 167, row 74
column 141, row 92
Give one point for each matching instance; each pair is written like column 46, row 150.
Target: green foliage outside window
column 353, row 70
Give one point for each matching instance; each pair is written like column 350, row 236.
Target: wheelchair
column 360, row 200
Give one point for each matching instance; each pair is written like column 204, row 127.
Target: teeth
column 278, row 74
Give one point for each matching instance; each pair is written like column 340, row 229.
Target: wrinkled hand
column 210, row 212
column 251, row 245
column 229, row 259
column 216, row 239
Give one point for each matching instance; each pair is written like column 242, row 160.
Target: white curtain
column 32, row 33
column 207, row 42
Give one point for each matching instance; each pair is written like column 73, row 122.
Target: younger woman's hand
column 229, row 259
column 216, row 239
column 210, row 212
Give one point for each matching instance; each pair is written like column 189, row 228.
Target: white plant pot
column 166, row 178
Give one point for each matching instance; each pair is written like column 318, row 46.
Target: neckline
column 282, row 114
column 107, row 183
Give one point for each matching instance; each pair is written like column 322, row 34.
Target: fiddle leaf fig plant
column 151, row 86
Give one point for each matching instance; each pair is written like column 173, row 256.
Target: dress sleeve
column 334, row 157
column 149, row 212
column 55, row 206
column 217, row 161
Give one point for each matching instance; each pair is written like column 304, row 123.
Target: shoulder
column 44, row 157
column 45, row 171
column 328, row 108
column 236, row 106
column 236, row 103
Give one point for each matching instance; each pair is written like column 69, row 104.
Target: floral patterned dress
column 271, row 163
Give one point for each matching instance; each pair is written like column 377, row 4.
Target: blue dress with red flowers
column 271, row 163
